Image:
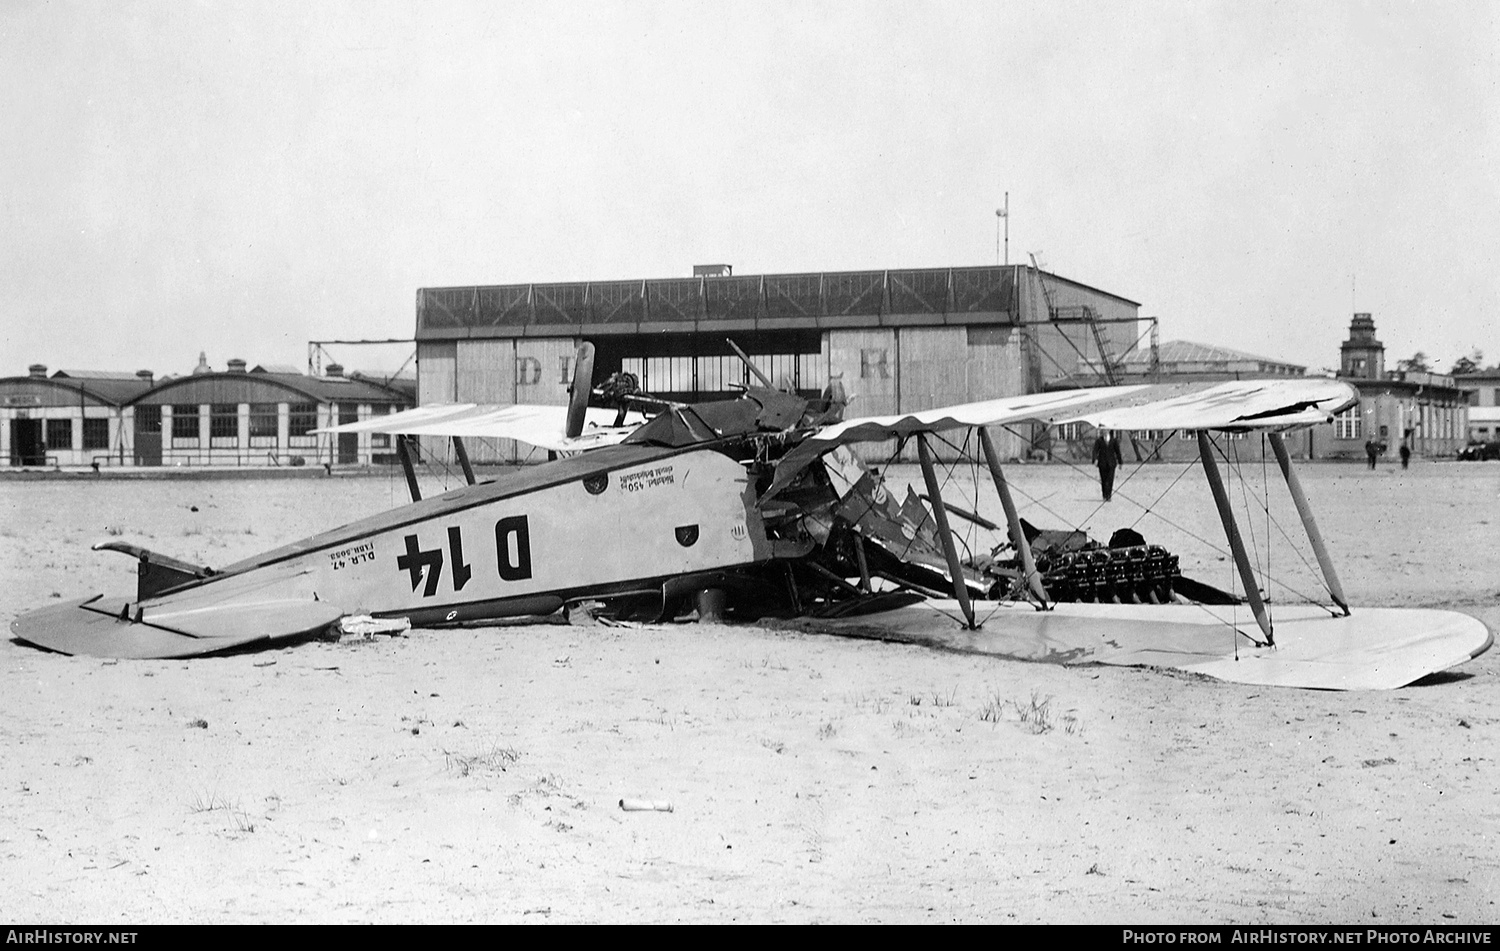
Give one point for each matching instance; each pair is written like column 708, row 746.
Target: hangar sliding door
column 147, row 435
column 26, row 447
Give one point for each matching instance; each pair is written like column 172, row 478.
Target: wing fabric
column 541, row 426
column 1234, row 405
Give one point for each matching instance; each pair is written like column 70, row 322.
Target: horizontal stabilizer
column 103, row 627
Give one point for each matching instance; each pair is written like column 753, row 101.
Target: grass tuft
column 497, row 757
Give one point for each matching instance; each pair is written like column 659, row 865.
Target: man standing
column 1372, row 449
column 1106, row 456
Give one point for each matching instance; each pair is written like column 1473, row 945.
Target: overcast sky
column 241, row 177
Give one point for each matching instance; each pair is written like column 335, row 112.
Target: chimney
column 146, row 375
column 236, row 366
column 335, row 369
column 38, row 370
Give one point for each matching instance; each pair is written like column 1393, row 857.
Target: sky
column 239, row 178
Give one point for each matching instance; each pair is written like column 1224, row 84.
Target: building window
column 304, row 419
column 380, row 440
column 185, row 421
column 59, row 434
column 224, row 421
column 148, row 419
column 1070, row 432
column 706, row 376
column 1348, row 424
column 96, row 434
column 263, row 420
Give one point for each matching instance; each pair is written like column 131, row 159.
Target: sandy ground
column 475, row 775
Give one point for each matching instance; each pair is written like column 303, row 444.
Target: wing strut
column 463, row 459
column 955, row 567
column 403, row 452
column 1017, row 536
column 1310, row 524
column 1236, row 544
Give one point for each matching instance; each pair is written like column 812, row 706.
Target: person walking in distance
column 1106, row 456
column 1371, row 451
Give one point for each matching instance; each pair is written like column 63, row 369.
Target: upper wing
column 1234, row 405
column 542, row 426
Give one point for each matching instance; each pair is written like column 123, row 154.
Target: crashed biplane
column 755, row 507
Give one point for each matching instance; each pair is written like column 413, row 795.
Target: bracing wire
column 1263, row 566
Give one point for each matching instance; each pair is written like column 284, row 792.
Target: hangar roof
column 70, row 387
column 236, row 387
column 961, row 295
column 1177, row 352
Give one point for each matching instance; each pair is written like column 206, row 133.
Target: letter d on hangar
column 515, row 567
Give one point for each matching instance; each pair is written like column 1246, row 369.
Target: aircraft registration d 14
column 755, row 507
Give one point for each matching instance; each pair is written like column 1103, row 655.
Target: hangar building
column 257, row 417
column 70, row 418
column 262, row 416
column 898, row 340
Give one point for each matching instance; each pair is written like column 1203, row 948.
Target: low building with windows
column 71, row 418
column 260, row 417
column 1427, row 411
column 242, row 417
column 1483, row 388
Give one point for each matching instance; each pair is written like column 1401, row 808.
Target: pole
column 1017, row 536
column 1232, row 531
column 1003, row 214
column 945, row 533
column 1310, row 524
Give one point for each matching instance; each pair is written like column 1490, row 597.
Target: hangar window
column 704, row 367
column 96, row 434
column 185, row 421
column 59, row 434
column 263, row 420
column 224, row 421
column 148, row 419
column 304, row 419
